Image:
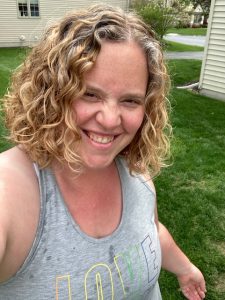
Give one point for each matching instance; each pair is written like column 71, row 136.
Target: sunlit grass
column 170, row 46
column 188, row 31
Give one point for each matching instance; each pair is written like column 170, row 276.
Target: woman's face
column 112, row 108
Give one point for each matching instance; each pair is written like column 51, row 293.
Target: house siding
column 212, row 79
column 13, row 27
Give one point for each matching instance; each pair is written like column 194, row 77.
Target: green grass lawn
column 183, row 71
column 191, row 196
column 10, row 58
column 188, row 31
column 191, row 191
column 170, row 46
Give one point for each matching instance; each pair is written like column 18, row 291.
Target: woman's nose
column 109, row 116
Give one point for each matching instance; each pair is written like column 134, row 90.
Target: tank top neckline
column 83, row 235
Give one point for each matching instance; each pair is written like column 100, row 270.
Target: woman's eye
column 90, row 96
column 132, row 102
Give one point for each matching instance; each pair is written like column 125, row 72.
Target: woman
column 88, row 113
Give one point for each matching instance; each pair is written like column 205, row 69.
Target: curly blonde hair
column 38, row 105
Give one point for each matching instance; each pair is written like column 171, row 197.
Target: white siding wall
column 12, row 27
column 212, row 80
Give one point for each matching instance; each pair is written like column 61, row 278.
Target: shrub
column 157, row 15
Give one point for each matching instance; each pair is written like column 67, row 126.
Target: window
column 28, row 8
column 23, row 8
column 34, row 8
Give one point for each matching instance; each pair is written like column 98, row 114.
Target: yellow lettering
column 63, row 283
column 119, row 272
column 99, row 272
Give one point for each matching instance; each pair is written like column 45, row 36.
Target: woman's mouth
column 100, row 139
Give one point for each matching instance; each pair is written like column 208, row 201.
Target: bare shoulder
column 16, row 172
column 19, row 206
column 14, row 158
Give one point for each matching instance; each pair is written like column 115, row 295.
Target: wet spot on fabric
column 111, row 254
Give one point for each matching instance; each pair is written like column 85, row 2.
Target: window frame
column 29, row 16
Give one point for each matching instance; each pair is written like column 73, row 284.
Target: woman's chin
column 97, row 163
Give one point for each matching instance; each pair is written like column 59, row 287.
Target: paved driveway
column 194, row 40
column 184, row 55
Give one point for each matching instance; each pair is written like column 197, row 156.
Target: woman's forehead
column 119, row 68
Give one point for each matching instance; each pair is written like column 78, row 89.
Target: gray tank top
column 66, row 264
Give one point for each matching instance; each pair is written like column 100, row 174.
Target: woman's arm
column 19, row 210
column 190, row 278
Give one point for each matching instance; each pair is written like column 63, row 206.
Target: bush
column 155, row 14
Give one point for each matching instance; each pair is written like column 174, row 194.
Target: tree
column 205, row 5
column 155, row 14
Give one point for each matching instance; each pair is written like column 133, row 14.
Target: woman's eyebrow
column 134, row 95
column 95, row 89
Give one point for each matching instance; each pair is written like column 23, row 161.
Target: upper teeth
column 100, row 139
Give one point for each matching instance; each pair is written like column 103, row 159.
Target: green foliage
column 157, row 15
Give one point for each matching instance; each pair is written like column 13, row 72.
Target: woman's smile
column 100, row 141
column 99, row 138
